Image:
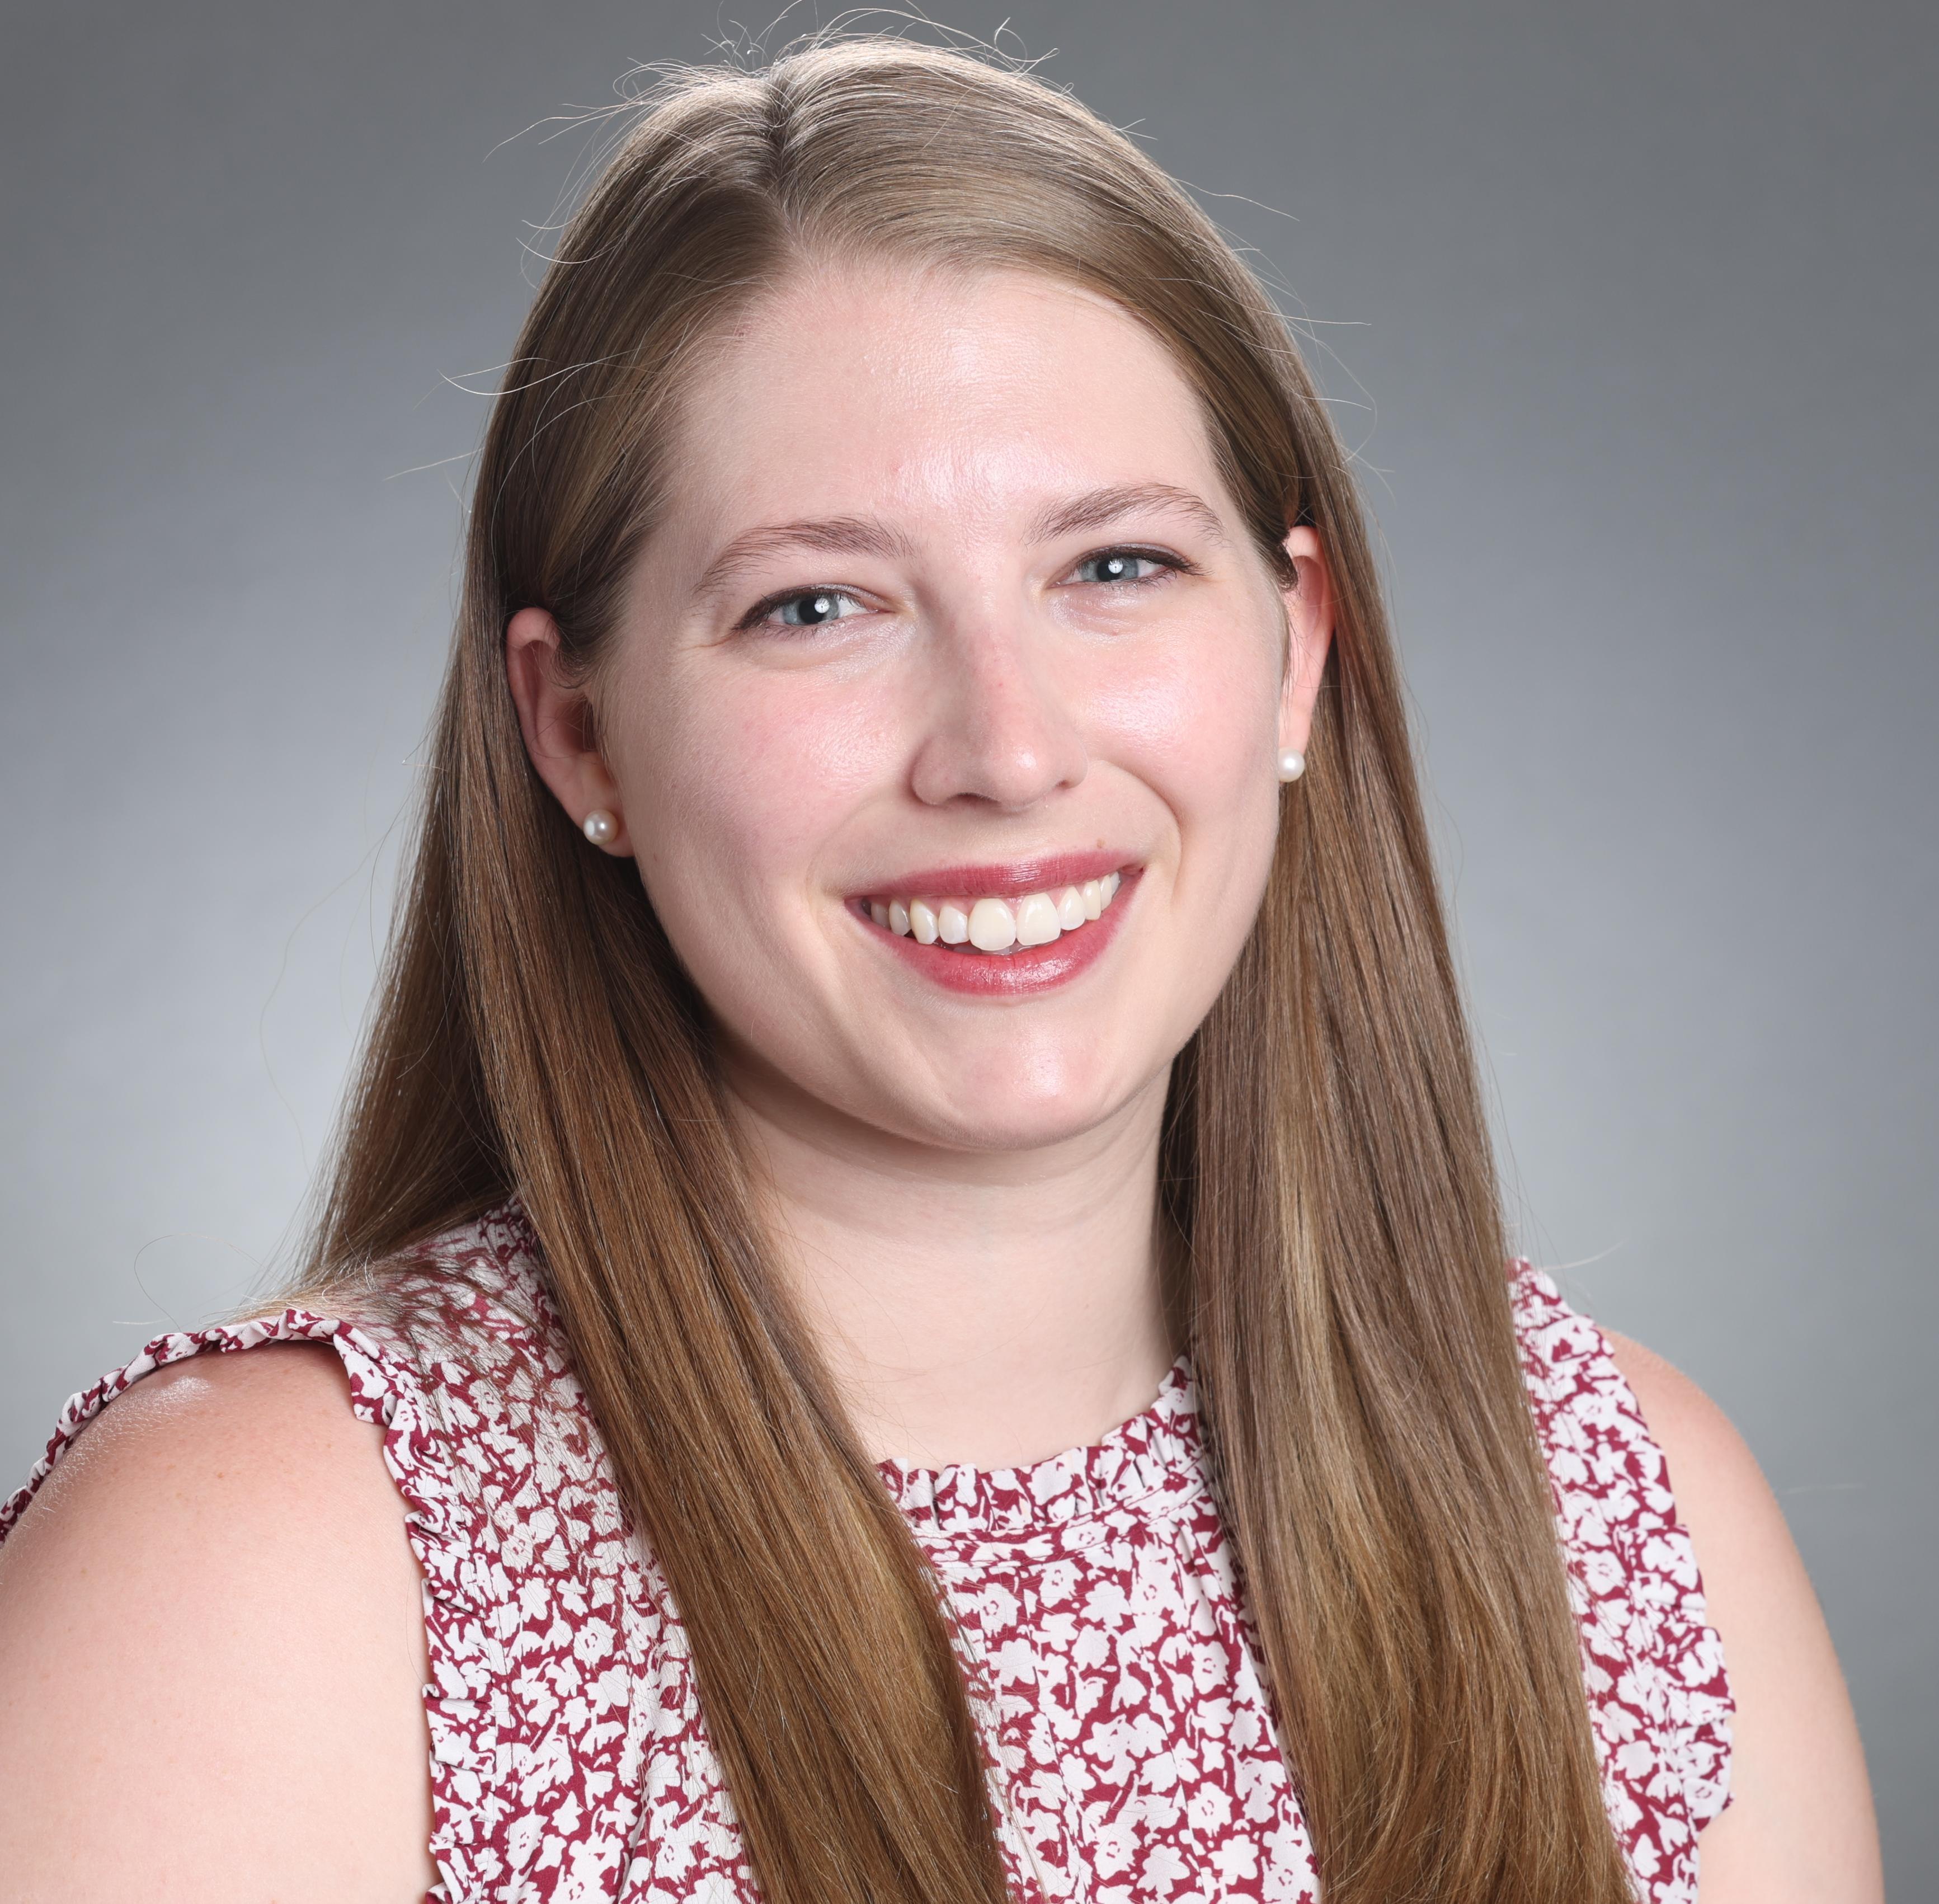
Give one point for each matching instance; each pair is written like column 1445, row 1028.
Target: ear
column 1308, row 599
column 555, row 719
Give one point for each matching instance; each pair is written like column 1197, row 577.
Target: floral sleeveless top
column 1130, row 1745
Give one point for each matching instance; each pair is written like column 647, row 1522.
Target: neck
column 987, row 1307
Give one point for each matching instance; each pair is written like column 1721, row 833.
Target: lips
column 1002, row 930
column 1006, row 879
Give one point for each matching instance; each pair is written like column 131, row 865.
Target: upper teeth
column 997, row 925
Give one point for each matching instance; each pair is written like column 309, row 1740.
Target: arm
column 211, row 1650
column 1799, row 1829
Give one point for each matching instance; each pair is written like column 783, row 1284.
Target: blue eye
column 1119, row 565
column 807, row 611
column 811, row 607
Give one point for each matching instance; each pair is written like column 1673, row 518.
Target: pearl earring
column 600, row 827
column 1292, row 764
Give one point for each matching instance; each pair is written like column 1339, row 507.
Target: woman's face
column 952, row 626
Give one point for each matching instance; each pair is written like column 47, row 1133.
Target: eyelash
column 1168, row 563
column 760, row 611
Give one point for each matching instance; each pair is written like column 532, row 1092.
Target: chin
column 1020, row 1114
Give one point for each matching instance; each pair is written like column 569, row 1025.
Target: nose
column 996, row 727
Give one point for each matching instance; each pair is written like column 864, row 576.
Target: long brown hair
column 1325, row 1154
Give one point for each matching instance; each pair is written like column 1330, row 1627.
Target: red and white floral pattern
column 1132, row 1753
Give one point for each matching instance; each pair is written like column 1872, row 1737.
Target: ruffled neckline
column 1156, row 1451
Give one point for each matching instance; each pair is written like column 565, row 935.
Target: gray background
column 1628, row 311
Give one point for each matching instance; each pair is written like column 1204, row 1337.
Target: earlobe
column 552, row 719
column 1308, row 599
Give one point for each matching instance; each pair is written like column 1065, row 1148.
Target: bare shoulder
column 1719, row 1485
column 1799, row 1826
column 210, row 1621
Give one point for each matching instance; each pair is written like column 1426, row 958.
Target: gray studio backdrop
column 1628, row 312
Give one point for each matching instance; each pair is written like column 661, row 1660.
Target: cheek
column 1196, row 720
column 737, row 786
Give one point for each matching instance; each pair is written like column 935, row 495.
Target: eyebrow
column 854, row 535
column 1100, row 507
column 839, row 535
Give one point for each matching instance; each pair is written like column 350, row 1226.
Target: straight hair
column 1325, row 1156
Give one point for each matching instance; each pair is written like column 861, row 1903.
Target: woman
column 923, row 954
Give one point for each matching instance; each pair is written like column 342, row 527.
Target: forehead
column 881, row 389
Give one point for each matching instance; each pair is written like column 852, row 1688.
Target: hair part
column 1325, row 1156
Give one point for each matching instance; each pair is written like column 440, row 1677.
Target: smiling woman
column 1061, row 654
column 914, row 1254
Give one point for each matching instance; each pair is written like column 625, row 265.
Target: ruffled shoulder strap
column 1659, row 1698
column 553, row 1663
